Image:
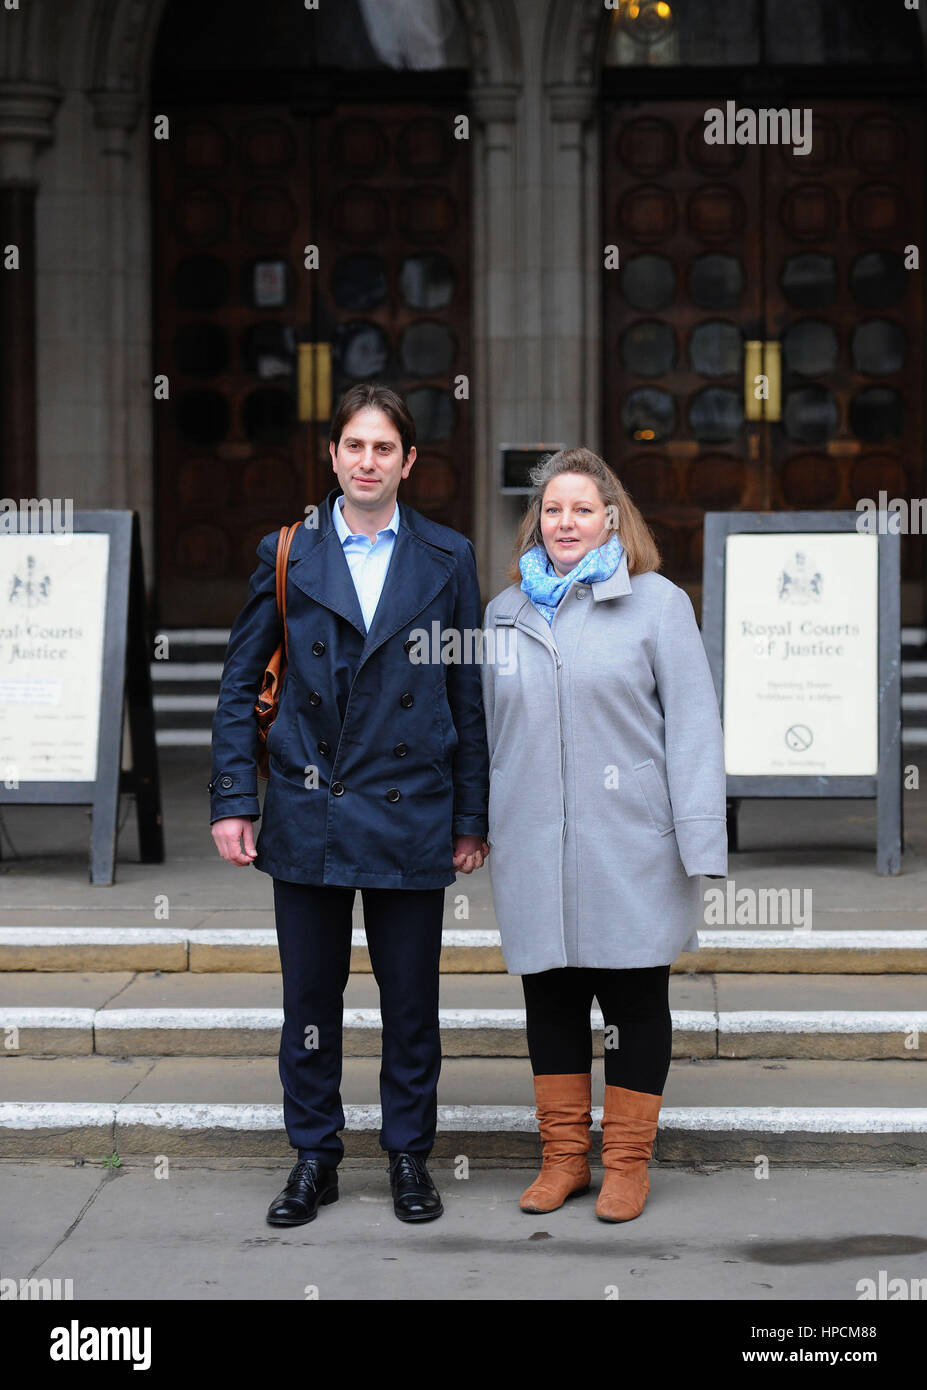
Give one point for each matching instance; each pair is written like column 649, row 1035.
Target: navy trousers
column 403, row 929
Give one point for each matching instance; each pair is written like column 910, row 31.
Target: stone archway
column 94, row 60
column 573, row 58
column 573, row 45
column 358, row 158
column 118, row 57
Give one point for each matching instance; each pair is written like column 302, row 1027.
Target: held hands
column 469, row 853
column 228, row 835
column 234, row 839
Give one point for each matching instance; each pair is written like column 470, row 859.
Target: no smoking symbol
column 799, row 737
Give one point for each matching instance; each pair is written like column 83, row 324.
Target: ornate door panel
column 686, row 219
column 720, row 245
column 847, row 313
column 239, row 196
column 231, row 219
column 395, row 291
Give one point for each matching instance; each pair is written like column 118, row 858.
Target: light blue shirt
column 367, row 560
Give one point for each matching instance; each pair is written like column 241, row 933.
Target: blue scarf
column 546, row 588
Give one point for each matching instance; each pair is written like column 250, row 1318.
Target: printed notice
column 801, row 650
column 52, row 618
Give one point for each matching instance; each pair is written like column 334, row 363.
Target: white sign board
column 801, row 654
column 52, row 620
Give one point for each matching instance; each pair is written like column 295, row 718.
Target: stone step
column 165, row 674
column 190, row 705
column 183, row 738
column 481, row 1016
column 196, row 638
column 237, row 989
column 464, row 1032
column 867, row 1113
column 466, row 950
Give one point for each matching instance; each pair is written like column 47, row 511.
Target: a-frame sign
column 74, row 657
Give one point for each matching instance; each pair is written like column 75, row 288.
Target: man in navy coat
column 378, row 781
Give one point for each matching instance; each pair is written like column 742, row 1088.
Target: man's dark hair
column 370, row 394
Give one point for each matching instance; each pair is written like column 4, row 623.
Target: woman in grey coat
column 606, row 804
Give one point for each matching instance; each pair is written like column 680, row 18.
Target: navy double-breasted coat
column 376, row 759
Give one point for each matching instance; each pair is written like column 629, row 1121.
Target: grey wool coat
column 606, row 774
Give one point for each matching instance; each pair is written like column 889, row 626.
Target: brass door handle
column 314, row 364
column 753, row 368
column 762, row 359
column 772, row 367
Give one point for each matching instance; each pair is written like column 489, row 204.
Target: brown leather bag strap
column 284, row 541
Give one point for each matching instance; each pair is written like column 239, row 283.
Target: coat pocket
column 655, row 795
column 279, row 732
column 496, row 793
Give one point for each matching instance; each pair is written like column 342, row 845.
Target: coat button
column 318, row 648
column 315, row 698
column 226, row 782
column 323, row 748
column 337, row 789
column 393, row 794
column 581, row 591
column 401, row 749
column 409, row 643
column 406, row 700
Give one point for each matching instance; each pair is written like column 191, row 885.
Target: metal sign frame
column 886, row 784
column 125, row 686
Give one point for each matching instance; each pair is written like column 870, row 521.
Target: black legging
column 633, row 1002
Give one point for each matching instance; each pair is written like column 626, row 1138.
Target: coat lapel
column 320, row 569
column 516, row 609
column 417, row 571
column 616, row 584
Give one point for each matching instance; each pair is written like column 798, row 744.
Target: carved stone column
column 116, row 114
column 495, row 313
column 26, row 113
column 571, row 325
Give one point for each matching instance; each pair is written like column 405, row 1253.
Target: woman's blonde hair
column 632, row 530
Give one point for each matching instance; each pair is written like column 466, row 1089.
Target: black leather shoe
column 309, row 1186
column 415, row 1197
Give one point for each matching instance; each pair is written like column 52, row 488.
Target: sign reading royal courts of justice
column 801, row 654
column 52, row 620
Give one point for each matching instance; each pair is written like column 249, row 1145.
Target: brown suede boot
column 629, row 1127
column 564, row 1104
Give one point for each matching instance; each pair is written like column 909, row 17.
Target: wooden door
column 395, row 299
column 686, row 218
column 721, row 245
column 239, row 196
column 848, row 314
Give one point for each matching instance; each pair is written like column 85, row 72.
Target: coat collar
column 344, row 531
column 419, row 567
column 515, row 607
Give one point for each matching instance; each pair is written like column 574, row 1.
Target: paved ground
column 828, row 848
column 200, row 1233
column 711, row 1233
